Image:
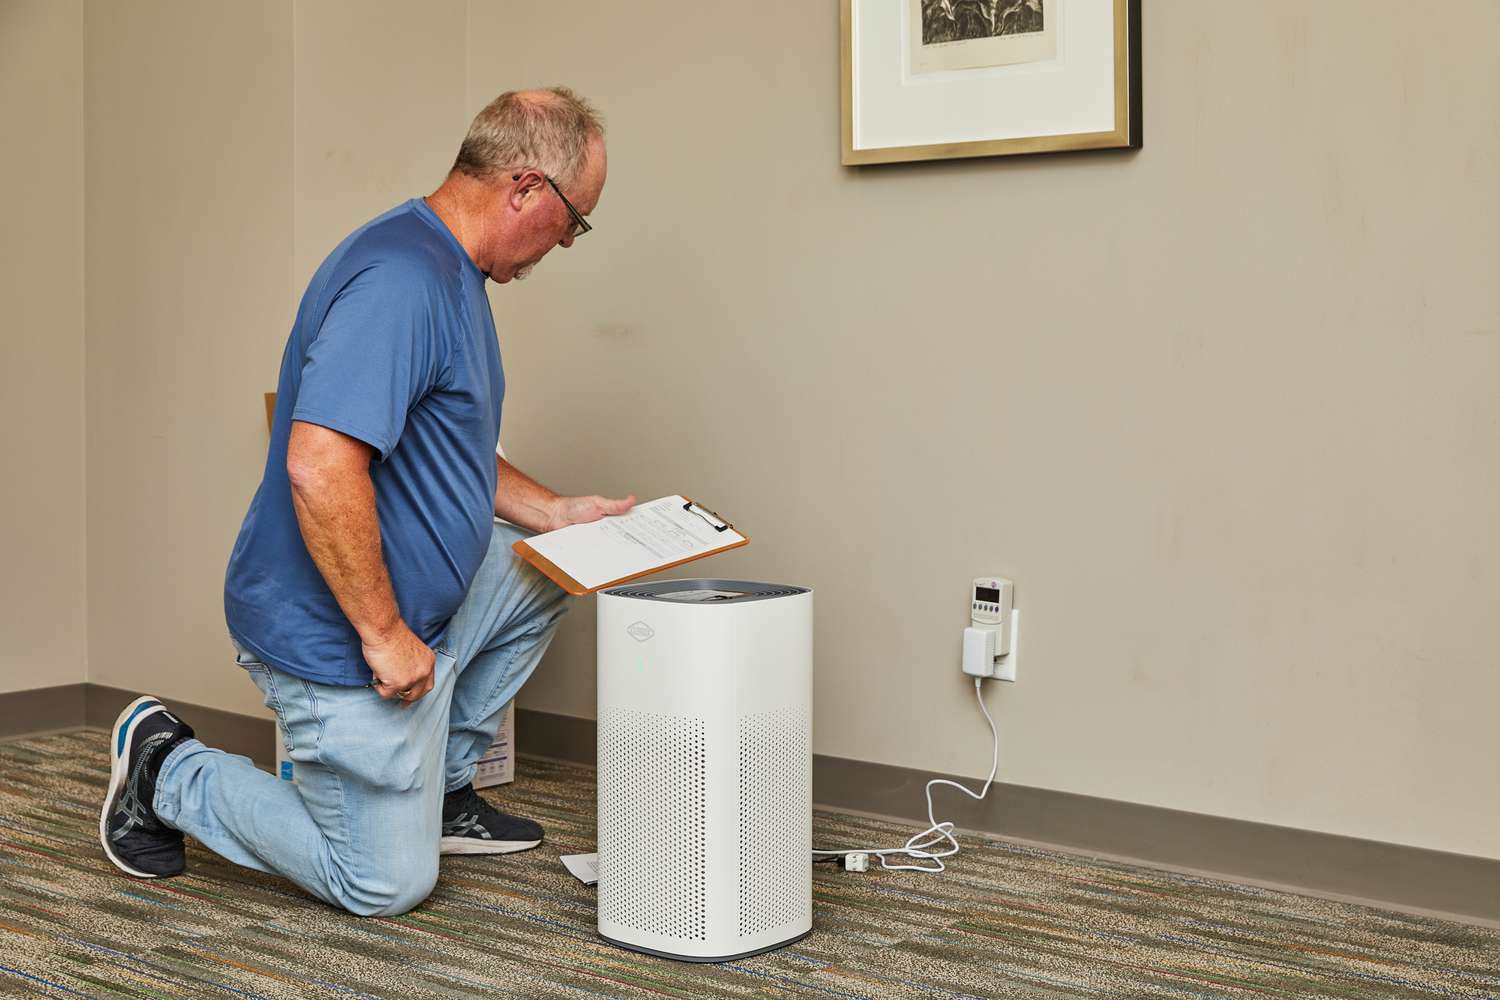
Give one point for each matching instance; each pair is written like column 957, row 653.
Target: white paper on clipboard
column 652, row 535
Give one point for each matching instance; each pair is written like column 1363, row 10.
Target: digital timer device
column 991, row 600
column 989, row 641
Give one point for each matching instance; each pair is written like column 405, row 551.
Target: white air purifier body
column 705, row 767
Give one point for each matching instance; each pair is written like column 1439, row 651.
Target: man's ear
column 523, row 186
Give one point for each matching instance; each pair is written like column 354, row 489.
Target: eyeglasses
column 580, row 224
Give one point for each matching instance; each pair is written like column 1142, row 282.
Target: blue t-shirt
column 394, row 345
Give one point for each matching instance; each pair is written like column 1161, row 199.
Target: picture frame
column 949, row 79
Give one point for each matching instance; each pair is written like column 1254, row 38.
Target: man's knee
column 387, row 893
column 389, row 897
column 546, row 600
column 503, row 535
column 555, row 601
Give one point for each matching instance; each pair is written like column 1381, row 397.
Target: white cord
column 917, row 847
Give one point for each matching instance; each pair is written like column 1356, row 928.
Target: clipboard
column 732, row 537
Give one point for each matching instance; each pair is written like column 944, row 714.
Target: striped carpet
column 1004, row 921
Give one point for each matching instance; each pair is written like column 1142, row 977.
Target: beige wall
column 190, row 292
column 230, row 148
column 42, row 538
column 379, row 111
column 1223, row 409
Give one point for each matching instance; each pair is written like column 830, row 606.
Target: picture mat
column 1073, row 93
column 980, row 53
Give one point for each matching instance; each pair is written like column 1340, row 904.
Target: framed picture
column 943, row 79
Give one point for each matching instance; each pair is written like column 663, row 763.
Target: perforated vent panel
column 775, row 819
column 651, row 792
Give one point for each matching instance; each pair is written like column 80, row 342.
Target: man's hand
column 402, row 666
column 522, row 500
column 582, row 510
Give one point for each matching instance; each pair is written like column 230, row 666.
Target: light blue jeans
column 360, row 827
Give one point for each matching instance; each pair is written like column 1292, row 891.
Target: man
column 371, row 595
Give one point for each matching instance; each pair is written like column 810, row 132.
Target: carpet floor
column 1005, row 920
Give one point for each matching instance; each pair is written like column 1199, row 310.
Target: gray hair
column 547, row 129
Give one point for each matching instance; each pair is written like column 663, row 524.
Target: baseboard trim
column 231, row 732
column 1457, row 886
column 41, row 709
column 560, row 737
column 1409, row 878
column 1306, row 861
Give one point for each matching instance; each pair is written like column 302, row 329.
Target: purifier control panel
column 701, row 596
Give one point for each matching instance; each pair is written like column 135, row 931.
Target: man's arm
column 334, row 499
column 522, row 500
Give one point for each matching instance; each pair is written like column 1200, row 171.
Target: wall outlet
column 1005, row 666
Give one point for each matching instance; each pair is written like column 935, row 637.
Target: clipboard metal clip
column 712, row 517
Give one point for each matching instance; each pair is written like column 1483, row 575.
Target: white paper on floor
column 584, row 867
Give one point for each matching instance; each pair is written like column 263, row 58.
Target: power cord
column 917, row 847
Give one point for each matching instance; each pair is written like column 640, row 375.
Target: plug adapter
column 979, row 652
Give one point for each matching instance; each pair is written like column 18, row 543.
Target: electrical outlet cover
column 1005, row 666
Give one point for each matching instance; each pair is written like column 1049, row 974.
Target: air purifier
column 705, row 767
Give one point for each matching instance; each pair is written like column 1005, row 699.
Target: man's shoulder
column 407, row 246
column 401, row 248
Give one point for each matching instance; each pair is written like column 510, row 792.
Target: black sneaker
column 133, row 838
column 473, row 826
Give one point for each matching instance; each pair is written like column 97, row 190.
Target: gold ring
column 404, row 693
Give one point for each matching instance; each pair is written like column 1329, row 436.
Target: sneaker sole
column 119, row 737
column 476, row 845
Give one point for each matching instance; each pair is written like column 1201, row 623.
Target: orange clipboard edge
column 550, row 570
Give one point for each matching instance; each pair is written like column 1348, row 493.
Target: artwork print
column 961, row 20
column 975, row 34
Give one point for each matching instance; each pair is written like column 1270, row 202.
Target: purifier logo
column 640, row 631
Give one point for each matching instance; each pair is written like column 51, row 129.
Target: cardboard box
column 285, row 768
column 497, row 765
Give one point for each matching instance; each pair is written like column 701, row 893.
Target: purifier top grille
column 740, row 590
